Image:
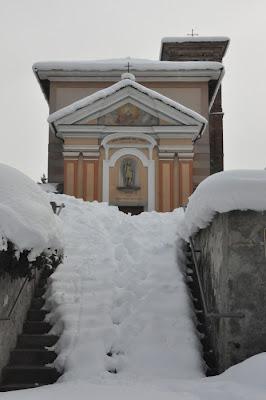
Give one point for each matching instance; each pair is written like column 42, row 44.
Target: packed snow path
column 119, row 299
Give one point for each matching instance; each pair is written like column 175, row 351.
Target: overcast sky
column 34, row 30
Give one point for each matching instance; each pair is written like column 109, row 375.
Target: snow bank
column 223, row 192
column 26, row 217
column 250, row 371
column 120, row 298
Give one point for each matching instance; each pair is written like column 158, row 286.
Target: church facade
column 138, row 134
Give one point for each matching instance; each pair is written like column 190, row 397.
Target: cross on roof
column 192, row 33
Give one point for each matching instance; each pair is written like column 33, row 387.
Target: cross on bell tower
column 192, row 33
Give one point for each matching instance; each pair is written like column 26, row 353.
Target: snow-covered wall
column 226, row 218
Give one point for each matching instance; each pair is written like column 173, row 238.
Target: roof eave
column 41, row 83
column 116, row 73
column 201, row 131
column 217, row 87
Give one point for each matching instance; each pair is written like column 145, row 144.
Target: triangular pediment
column 127, row 103
column 127, row 114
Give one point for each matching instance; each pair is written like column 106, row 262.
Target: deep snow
column 120, row 291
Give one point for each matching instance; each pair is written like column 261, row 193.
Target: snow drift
column 26, row 217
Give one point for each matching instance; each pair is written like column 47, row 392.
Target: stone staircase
column 202, row 324
column 30, row 363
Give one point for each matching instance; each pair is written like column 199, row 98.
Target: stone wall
column 11, row 325
column 232, row 264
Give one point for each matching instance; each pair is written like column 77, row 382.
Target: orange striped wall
column 70, row 177
column 185, row 181
column 166, row 173
column 90, row 180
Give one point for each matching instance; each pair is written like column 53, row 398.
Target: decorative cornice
column 91, row 155
column 98, row 130
column 176, row 148
column 166, row 156
column 128, row 135
column 185, row 156
column 171, row 155
column 71, row 154
column 81, row 147
column 86, row 154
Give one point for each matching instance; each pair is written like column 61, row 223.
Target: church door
column 133, row 210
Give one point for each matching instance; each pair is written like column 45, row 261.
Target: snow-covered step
column 36, row 327
column 32, row 357
column 29, row 341
column 29, row 374
column 18, row 386
column 39, row 291
column 202, row 322
column 37, row 303
column 27, row 367
column 36, row 315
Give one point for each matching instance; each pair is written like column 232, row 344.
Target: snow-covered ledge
column 26, row 217
column 223, row 192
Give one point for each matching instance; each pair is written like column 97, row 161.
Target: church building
column 138, row 134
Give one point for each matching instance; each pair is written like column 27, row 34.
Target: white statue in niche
column 128, row 174
column 128, row 170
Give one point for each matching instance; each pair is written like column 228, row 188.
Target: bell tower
column 199, row 48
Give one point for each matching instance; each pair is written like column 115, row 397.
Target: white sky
column 34, row 30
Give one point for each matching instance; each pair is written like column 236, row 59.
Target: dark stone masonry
column 232, row 265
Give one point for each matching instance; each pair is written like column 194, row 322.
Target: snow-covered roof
column 26, row 217
column 183, row 39
column 122, row 64
column 111, row 69
column 123, row 83
column 188, row 48
column 223, row 192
